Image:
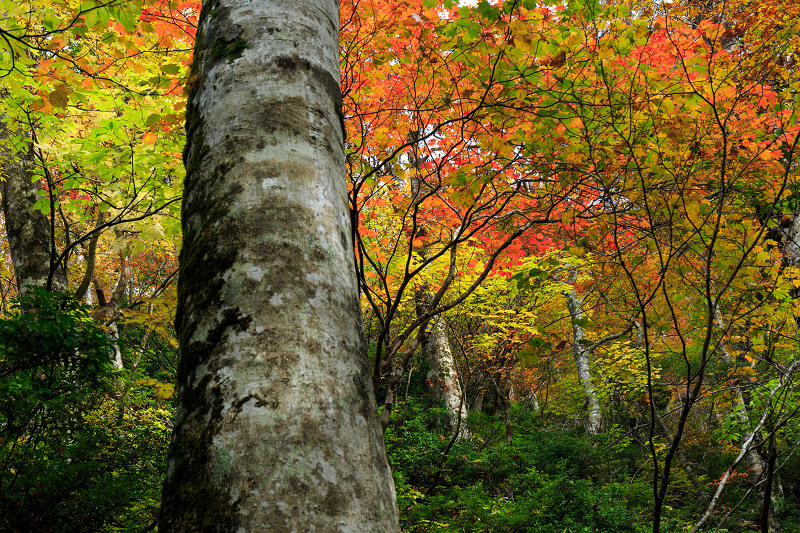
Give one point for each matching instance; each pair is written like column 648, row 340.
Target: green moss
column 196, row 499
column 227, row 49
column 203, row 262
column 223, row 466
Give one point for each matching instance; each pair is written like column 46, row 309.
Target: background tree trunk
column 277, row 426
column 27, row 228
column 441, row 381
column 30, row 238
column 581, row 356
column 758, row 464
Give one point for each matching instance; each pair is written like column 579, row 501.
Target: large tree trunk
column 28, row 229
column 277, row 426
column 581, row 355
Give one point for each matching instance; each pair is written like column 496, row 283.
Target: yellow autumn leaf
column 164, row 391
column 60, row 96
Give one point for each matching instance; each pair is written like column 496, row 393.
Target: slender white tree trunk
column 277, row 426
column 747, row 443
column 581, row 355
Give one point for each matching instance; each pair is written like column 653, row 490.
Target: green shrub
column 68, row 461
column 548, row 481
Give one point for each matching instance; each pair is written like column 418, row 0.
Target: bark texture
column 442, row 378
column 27, row 228
column 441, row 381
column 791, row 249
column 581, row 355
column 277, row 425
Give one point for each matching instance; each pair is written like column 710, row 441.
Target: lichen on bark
column 27, row 228
column 277, row 425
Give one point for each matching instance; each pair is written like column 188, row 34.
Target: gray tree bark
column 27, row 229
column 443, row 376
column 108, row 309
column 791, row 248
column 277, row 426
column 581, row 355
column 441, row 381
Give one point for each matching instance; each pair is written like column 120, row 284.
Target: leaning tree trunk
column 27, row 228
column 581, row 355
column 758, row 464
column 277, row 425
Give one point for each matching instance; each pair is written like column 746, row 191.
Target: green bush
column 548, row 481
column 68, row 461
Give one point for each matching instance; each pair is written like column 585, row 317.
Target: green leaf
column 488, row 11
column 536, row 342
column 51, row 22
column 90, row 17
column 104, row 15
column 171, row 69
column 43, row 205
column 537, row 273
column 127, row 14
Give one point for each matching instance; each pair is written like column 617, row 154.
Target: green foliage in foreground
column 552, row 479
column 71, row 460
column 547, row 481
column 83, row 449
